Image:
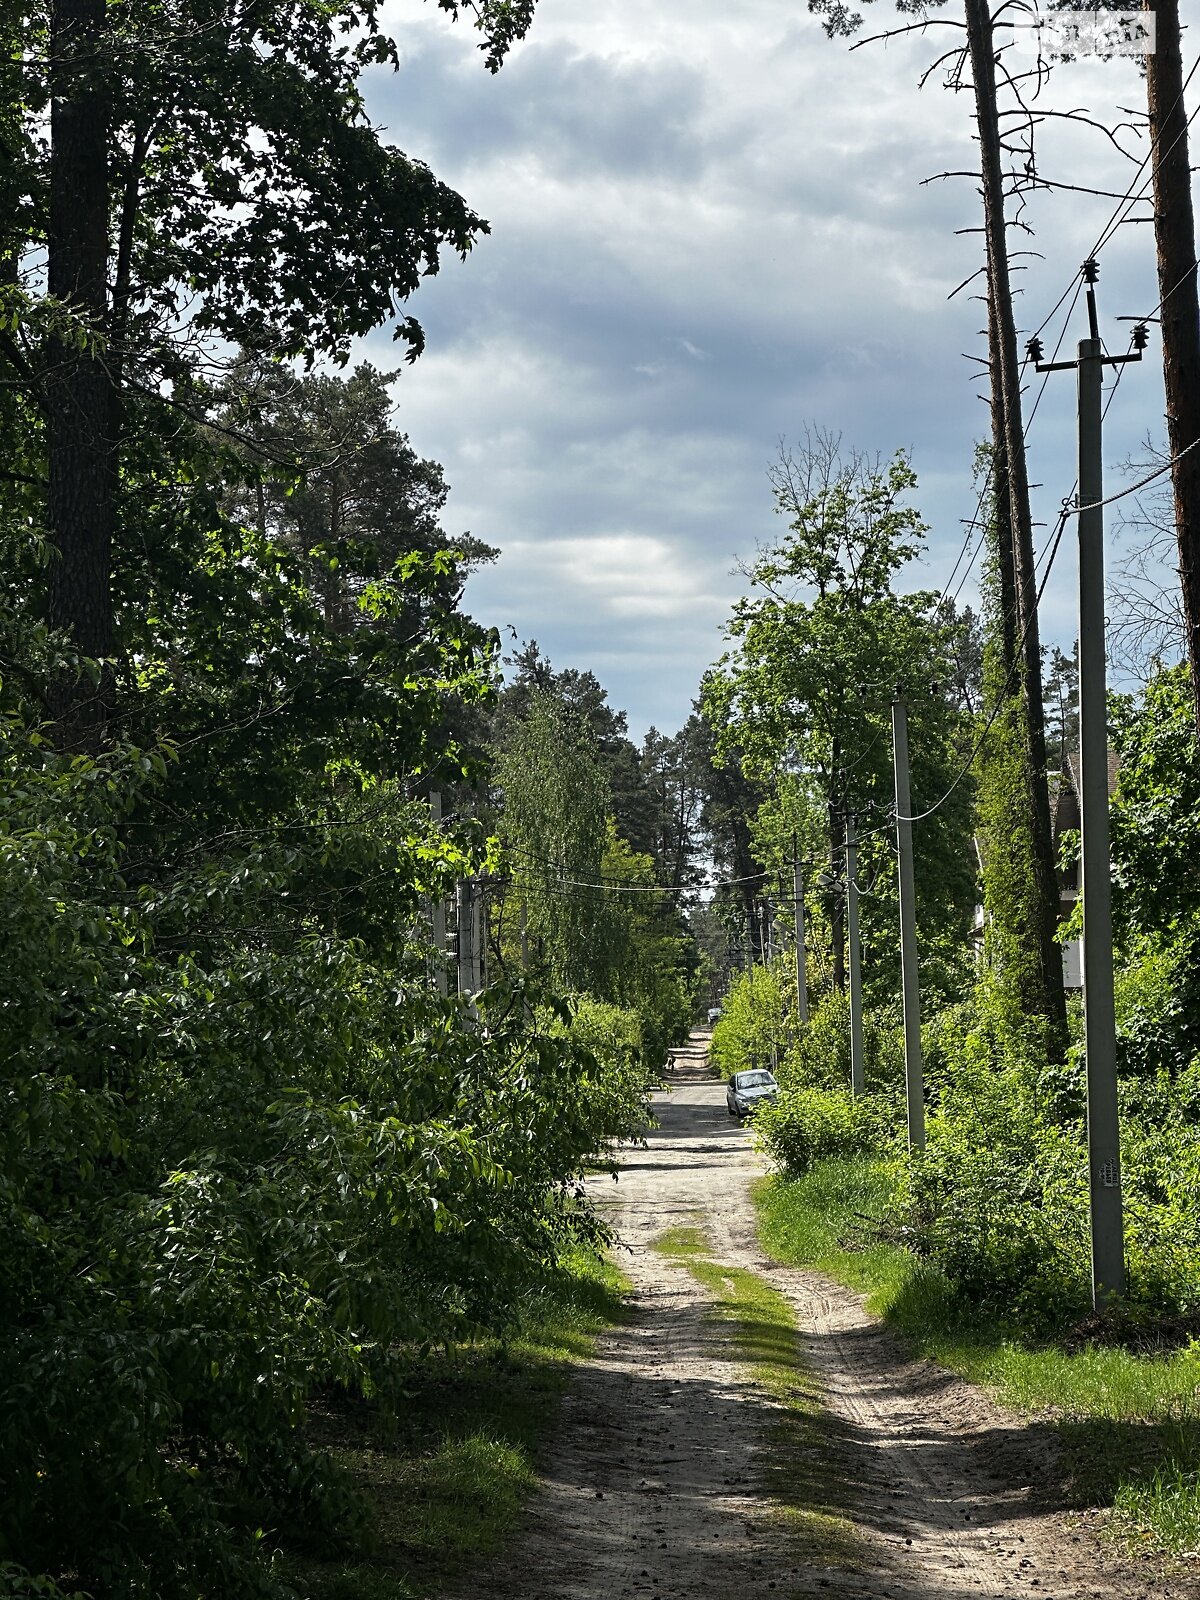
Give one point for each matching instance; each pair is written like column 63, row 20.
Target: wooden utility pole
column 1175, row 242
column 1006, row 564
column 1006, row 396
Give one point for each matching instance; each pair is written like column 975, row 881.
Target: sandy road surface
column 653, row 1484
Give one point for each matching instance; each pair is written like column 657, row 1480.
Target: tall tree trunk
column 1175, row 239
column 78, row 386
column 1008, row 399
column 1006, row 566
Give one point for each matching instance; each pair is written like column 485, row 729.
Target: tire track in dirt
column 652, row 1485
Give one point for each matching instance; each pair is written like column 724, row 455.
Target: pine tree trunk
column 1008, row 399
column 1175, row 240
column 78, row 386
column 1006, row 567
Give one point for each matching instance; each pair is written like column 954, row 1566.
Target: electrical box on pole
column 914, row 1067
column 1099, row 1022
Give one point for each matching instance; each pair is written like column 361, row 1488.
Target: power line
column 1012, row 671
column 1068, row 511
column 610, row 886
column 1109, row 228
column 1133, row 488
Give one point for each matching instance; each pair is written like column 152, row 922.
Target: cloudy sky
column 709, row 229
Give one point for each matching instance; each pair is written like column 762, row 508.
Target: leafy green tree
column 678, row 771
column 633, row 804
column 804, row 695
column 210, row 175
column 655, row 960
column 554, row 824
column 351, row 495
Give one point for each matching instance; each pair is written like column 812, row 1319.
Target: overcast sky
column 709, row 229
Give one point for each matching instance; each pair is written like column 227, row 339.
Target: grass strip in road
column 1129, row 1424
column 802, row 1476
column 446, row 1473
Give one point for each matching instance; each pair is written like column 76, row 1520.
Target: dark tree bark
column 1175, row 240
column 1006, row 568
column 78, row 387
column 1006, row 393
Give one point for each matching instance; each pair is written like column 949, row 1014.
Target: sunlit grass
column 801, row 1475
column 446, row 1476
column 1129, row 1424
column 1165, row 1507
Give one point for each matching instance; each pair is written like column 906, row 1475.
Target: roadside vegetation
column 977, row 1248
column 445, row 1475
column 282, row 1178
column 294, row 1238
column 1127, row 1417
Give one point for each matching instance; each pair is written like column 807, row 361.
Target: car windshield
column 754, row 1080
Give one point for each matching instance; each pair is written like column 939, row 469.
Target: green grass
column 1129, row 1424
column 447, row 1471
column 801, row 1476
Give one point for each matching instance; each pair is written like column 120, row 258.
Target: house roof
column 1065, row 804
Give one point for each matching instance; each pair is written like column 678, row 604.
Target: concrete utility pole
column 437, row 914
column 801, row 959
column 481, row 932
column 1099, row 1022
column 468, row 933
column 914, row 1076
column 857, row 1073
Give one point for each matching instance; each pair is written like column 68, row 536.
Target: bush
column 999, row 1200
column 807, row 1124
column 234, row 1173
column 819, row 1055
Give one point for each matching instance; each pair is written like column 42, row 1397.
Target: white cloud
column 708, row 229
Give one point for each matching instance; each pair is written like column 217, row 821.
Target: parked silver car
column 746, row 1091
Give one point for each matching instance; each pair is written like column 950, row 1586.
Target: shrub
column 808, row 1124
column 819, row 1055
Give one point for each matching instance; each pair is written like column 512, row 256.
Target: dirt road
column 655, row 1483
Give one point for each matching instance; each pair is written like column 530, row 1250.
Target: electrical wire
column 1068, row 511
column 1001, row 701
column 610, row 886
column 1133, row 488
